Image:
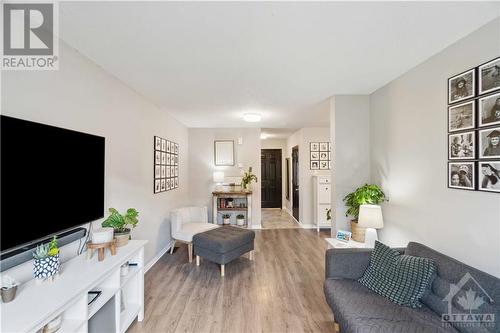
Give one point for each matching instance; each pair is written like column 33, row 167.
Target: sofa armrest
column 348, row 263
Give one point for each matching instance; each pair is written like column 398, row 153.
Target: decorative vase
column 8, row 294
column 122, row 238
column 46, row 267
column 358, row 233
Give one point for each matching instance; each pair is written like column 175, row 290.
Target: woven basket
column 358, row 233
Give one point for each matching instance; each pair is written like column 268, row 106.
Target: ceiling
column 207, row 63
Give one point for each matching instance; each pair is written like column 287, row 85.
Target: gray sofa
column 357, row 309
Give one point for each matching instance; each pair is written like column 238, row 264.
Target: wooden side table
column 337, row 244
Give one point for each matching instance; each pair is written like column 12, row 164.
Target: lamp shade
column 218, row 176
column 370, row 216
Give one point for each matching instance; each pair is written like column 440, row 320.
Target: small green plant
column 226, row 216
column 329, row 214
column 50, row 249
column 367, row 194
column 240, row 216
column 120, row 222
column 248, row 177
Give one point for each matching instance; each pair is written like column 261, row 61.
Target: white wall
column 83, row 97
column 409, row 158
column 350, row 128
column 201, row 163
column 303, row 138
column 278, row 144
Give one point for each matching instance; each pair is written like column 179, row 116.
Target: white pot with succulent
column 46, row 260
column 240, row 220
column 226, row 219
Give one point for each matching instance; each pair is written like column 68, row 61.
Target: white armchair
column 186, row 222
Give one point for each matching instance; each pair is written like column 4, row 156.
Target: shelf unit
column 237, row 196
column 37, row 304
column 322, row 189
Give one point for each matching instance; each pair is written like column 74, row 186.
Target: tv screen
column 52, row 180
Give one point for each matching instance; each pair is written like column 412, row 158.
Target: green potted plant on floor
column 247, row 179
column 367, row 194
column 121, row 224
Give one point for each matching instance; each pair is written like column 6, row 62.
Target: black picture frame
column 495, row 63
column 472, row 94
column 453, row 167
column 165, row 155
column 484, row 180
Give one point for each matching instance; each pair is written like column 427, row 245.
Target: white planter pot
column 240, row 222
column 46, row 267
column 226, row 221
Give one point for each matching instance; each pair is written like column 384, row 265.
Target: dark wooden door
column 270, row 160
column 295, row 182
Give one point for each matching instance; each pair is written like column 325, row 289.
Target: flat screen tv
column 52, row 180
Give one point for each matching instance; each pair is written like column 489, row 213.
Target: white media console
column 120, row 302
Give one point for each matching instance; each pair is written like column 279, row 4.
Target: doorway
column 295, row 183
column 271, row 178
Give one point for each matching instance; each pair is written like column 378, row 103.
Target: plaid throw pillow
column 401, row 278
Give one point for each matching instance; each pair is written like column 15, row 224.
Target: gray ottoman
column 222, row 245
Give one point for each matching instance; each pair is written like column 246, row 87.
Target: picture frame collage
column 320, row 154
column 166, row 165
column 474, row 128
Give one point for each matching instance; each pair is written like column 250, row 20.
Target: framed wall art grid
column 166, row 165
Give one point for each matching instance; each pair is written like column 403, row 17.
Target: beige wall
column 83, row 97
column 201, row 163
column 409, row 158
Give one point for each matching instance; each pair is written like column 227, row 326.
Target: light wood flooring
column 280, row 291
column 275, row 218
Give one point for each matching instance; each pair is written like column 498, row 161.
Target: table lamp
column 370, row 217
column 218, row 177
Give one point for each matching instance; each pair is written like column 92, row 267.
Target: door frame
column 295, row 175
column 281, row 174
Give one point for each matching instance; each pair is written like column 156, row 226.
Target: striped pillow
column 401, row 278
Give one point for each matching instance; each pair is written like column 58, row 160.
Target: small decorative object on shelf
column 240, row 220
column 46, row 260
column 226, row 219
column 101, row 247
column 344, row 236
column 230, row 203
column 53, row 326
column 9, row 289
column 247, row 179
column 120, row 222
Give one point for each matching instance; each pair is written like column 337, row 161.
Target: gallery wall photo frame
column 488, row 176
column 320, row 155
column 462, row 145
column 489, row 143
column 489, row 110
column 166, row 165
column 489, row 76
column 462, row 175
column 462, row 86
column 462, row 116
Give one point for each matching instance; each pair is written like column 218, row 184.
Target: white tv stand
column 36, row 304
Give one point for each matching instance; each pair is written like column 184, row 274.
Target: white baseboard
column 256, row 226
column 158, row 256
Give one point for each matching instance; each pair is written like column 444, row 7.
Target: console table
column 242, row 204
column 36, row 304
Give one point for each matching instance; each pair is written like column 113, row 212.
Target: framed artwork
column 461, row 175
column 344, row 236
column 489, row 76
column 489, row 143
column 462, row 146
column 489, row 110
column 489, row 176
column 164, row 158
column 462, row 86
column 320, row 155
column 223, row 152
column 462, row 116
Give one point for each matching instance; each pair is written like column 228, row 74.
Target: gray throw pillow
column 403, row 279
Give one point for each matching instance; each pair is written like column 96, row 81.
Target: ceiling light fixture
column 263, row 136
column 252, row 117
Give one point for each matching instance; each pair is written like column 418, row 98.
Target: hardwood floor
column 280, row 291
column 275, row 218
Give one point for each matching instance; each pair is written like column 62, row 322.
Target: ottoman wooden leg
column 197, row 260
column 221, row 270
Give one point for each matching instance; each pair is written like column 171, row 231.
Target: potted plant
column 247, row 179
column 367, row 194
column 226, row 218
column 9, row 288
column 121, row 224
column 46, row 260
column 240, row 220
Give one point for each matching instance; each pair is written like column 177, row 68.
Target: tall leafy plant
column 367, row 194
column 120, row 222
column 247, row 178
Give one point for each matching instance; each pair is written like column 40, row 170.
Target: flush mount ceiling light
column 252, row 117
column 263, row 136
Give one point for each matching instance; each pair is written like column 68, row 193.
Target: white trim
column 158, row 256
column 256, row 226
